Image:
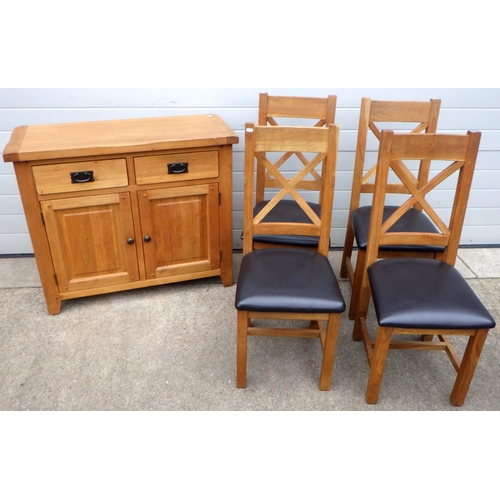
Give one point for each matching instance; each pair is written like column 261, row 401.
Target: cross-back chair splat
column 288, row 283
column 415, row 296
column 419, row 117
column 288, row 186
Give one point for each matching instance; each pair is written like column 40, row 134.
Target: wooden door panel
column 88, row 240
column 180, row 229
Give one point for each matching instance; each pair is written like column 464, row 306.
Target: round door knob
column 131, row 241
column 147, row 238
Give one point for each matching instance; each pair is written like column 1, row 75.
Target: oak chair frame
column 324, row 142
column 271, row 109
column 462, row 151
column 425, row 115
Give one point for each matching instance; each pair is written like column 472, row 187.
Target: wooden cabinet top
column 69, row 140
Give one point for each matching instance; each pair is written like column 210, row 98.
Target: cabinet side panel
column 38, row 236
column 226, row 214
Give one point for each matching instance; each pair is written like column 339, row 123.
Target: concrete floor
column 173, row 348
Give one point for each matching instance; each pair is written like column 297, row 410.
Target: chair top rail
column 448, row 147
column 280, row 139
column 299, row 107
column 403, row 111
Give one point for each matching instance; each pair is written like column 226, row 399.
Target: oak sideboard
column 124, row 204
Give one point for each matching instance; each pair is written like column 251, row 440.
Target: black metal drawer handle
column 81, row 177
column 178, row 168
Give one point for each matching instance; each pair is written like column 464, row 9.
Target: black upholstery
column 411, row 221
column 287, row 211
column 287, row 280
column 424, row 293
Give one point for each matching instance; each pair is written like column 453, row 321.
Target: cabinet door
column 91, row 241
column 180, row 229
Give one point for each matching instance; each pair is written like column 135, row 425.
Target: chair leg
column 467, row 367
column 346, row 254
column 241, row 349
column 378, row 364
column 329, row 350
column 356, row 285
column 313, row 325
column 356, row 329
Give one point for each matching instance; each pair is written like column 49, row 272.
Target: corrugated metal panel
column 462, row 109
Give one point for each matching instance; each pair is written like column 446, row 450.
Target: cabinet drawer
column 80, row 176
column 183, row 167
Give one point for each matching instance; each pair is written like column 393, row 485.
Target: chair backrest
column 423, row 117
column 321, row 110
column 452, row 159
column 321, row 146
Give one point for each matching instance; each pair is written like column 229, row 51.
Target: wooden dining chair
column 274, row 111
column 289, row 283
column 420, row 117
column 424, row 297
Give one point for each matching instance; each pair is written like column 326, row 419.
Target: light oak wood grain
column 134, row 225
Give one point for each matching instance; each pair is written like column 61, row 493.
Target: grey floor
column 173, row 348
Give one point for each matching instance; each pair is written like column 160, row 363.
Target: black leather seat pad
column 411, row 221
column 287, row 280
column 424, row 293
column 287, row 211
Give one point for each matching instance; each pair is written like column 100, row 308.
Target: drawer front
column 80, row 176
column 176, row 167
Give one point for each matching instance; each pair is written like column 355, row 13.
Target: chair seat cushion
column 411, row 221
column 424, row 293
column 287, row 211
column 287, row 280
